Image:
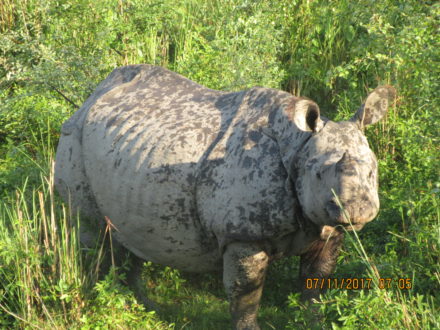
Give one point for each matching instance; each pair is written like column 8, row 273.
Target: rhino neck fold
column 292, row 144
column 290, row 139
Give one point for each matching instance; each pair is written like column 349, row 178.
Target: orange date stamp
column 354, row 283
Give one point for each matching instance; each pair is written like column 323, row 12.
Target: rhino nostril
column 332, row 206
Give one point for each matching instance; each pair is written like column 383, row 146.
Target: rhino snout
column 357, row 214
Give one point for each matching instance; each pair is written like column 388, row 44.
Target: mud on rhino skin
column 200, row 179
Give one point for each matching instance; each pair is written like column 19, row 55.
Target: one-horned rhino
column 199, row 179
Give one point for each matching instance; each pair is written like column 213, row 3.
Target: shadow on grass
column 200, row 303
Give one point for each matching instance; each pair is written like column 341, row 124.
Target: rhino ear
column 306, row 115
column 375, row 106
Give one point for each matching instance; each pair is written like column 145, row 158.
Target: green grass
column 53, row 54
column 48, row 280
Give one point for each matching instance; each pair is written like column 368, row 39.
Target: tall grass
column 47, row 280
column 40, row 258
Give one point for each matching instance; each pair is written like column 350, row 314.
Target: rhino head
column 336, row 167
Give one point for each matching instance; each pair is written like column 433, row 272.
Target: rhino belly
column 152, row 207
column 154, row 214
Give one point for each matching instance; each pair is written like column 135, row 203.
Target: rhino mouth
column 347, row 226
column 352, row 226
column 326, row 232
column 341, row 219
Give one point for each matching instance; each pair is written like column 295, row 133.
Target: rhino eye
column 318, row 175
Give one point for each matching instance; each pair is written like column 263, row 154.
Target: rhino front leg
column 319, row 262
column 244, row 270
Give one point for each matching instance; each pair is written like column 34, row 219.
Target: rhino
column 202, row 180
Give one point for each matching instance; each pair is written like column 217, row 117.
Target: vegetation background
column 54, row 52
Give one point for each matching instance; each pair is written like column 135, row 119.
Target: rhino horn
column 345, row 158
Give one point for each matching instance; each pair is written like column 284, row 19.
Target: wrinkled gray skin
column 200, row 180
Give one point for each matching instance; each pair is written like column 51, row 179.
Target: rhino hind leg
column 244, row 270
column 319, row 262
